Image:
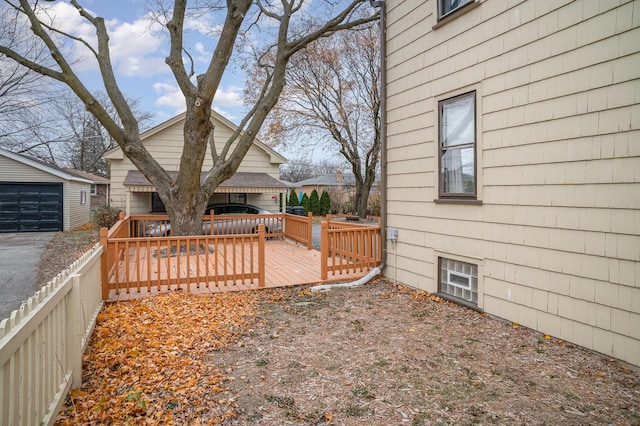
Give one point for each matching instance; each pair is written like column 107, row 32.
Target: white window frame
column 94, row 189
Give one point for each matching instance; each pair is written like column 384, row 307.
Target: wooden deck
column 287, row 264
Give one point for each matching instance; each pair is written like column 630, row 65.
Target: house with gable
column 513, row 161
column 256, row 181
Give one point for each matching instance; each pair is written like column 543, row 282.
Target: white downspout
column 383, row 159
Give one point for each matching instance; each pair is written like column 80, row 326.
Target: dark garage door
column 30, row 207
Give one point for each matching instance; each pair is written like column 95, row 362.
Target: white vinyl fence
column 42, row 343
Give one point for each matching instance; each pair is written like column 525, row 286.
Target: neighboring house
column 40, row 197
column 256, row 181
column 99, row 188
column 340, row 186
column 513, row 158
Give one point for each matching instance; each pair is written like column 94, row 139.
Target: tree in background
column 314, row 202
column 296, row 170
column 293, row 199
column 25, row 96
column 284, row 29
column 302, row 168
column 305, row 203
column 325, row 203
column 333, row 91
column 83, row 139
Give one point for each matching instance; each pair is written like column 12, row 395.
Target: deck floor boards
column 287, row 264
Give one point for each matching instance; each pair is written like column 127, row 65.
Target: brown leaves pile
column 150, row 361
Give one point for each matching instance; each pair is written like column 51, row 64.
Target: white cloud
column 135, row 47
column 199, row 47
column 230, row 97
column 224, row 101
column 170, row 96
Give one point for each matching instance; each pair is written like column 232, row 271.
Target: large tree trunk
column 187, row 199
column 362, row 200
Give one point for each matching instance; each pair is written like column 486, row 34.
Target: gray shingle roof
column 239, row 179
column 330, row 179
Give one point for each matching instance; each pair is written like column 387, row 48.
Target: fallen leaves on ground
column 150, row 361
column 373, row 355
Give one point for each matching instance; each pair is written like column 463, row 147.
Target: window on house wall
column 457, row 147
column 240, row 198
column 94, row 189
column 446, row 7
column 83, row 197
column 157, row 206
column 458, row 280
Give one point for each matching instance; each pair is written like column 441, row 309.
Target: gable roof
column 95, row 179
column 274, row 156
column 50, row 168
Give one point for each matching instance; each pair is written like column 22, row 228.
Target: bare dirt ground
column 63, row 249
column 383, row 354
column 386, row 355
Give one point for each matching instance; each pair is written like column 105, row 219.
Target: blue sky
column 138, row 54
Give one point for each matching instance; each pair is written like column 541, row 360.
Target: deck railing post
column 324, row 249
column 104, row 263
column 309, row 230
column 261, row 262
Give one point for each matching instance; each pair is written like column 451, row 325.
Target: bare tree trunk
column 362, row 200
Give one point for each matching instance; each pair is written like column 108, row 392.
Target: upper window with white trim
column 446, row 7
column 457, row 147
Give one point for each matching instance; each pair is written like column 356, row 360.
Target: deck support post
column 104, row 264
column 310, row 230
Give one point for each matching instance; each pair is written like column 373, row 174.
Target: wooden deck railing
column 138, row 257
column 160, row 225
column 188, row 262
column 42, row 343
column 299, row 228
column 348, row 247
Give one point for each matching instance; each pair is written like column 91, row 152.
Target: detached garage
column 40, row 197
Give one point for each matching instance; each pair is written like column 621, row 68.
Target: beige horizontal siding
column 166, row 147
column 558, row 101
column 76, row 214
column 15, row 171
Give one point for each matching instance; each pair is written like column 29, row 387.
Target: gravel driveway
column 20, row 255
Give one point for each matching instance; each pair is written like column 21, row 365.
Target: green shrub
column 305, row 203
column 293, row 199
column 314, row 203
column 325, row 203
column 106, row 216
